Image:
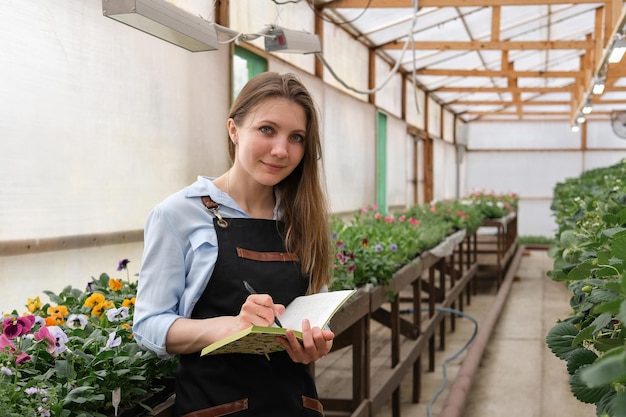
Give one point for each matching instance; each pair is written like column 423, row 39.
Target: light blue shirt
column 180, row 251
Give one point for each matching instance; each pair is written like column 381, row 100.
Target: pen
column 252, row 291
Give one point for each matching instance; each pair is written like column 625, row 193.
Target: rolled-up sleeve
column 180, row 252
column 161, row 283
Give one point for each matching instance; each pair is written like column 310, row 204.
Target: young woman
column 264, row 221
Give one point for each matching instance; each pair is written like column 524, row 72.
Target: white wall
column 98, row 122
column 530, row 159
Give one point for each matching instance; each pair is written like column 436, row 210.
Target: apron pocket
column 221, row 410
column 312, row 404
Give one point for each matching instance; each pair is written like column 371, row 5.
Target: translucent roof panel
column 530, row 50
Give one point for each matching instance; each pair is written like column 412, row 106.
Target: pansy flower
column 44, row 334
column 77, row 321
column 60, row 338
column 98, row 309
column 22, row 358
column 129, row 302
column 14, row 327
column 117, row 314
column 5, row 342
column 115, row 284
column 57, row 311
column 122, row 264
column 34, row 304
column 112, row 342
column 94, row 299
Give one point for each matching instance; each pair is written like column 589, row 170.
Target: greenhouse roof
column 498, row 59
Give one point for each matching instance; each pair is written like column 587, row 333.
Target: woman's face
column 270, row 140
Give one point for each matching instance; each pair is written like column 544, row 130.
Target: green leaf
column 600, row 322
column 560, row 338
column 604, row 407
column 611, row 307
column 585, row 334
column 606, row 271
column 569, row 239
column 605, row 371
column 601, row 295
column 582, row 271
column 604, row 345
column 64, row 369
column 578, row 358
column 585, row 393
column 619, row 405
column 621, row 316
column 618, row 248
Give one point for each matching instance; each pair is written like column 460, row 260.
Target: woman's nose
column 279, row 148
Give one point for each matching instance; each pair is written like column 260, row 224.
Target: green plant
column 372, row 246
column 492, row 205
column 590, row 257
column 536, row 240
column 76, row 356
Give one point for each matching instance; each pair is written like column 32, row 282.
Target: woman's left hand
column 315, row 343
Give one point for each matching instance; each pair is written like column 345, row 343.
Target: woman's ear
column 232, row 130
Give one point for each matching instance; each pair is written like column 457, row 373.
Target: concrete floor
column 518, row 375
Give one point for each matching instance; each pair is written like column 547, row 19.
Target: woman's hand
column 258, row 310
column 315, row 343
column 192, row 335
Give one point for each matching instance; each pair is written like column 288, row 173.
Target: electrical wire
column 444, row 365
column 344, row 22
column 453, row 357
column 393, row 70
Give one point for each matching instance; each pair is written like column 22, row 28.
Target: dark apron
column 247, row 384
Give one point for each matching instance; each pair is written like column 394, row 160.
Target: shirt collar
column 204, row 186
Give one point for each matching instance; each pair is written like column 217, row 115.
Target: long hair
column 303, row 203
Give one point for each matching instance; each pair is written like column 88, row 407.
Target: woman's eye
column 266, row 130
column 297, row 138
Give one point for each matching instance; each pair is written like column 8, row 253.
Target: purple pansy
column 122, row 264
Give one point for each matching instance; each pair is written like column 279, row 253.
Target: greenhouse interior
column 473, row 158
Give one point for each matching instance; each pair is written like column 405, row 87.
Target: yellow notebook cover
column 317, row 308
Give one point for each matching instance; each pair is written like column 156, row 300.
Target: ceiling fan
column 618, row 123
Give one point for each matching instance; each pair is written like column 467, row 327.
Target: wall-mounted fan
column 618, row 123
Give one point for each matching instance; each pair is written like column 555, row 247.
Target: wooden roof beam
column 360, row 4
column 567, row 89
column 504, row 73
column 508, row 103
column 494, row 45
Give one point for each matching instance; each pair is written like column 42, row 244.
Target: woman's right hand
column 258, row 310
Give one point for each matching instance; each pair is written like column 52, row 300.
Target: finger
column 279, row 309
column 323, row 341
column 256, row 312
column 308, row 342
column 293, row 347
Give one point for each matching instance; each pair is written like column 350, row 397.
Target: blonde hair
column 303, row 203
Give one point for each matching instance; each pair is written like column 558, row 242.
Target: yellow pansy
column 94, row 299
column 115, row 284
column 128, row 302
column 58, row 311
column 34, row 304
